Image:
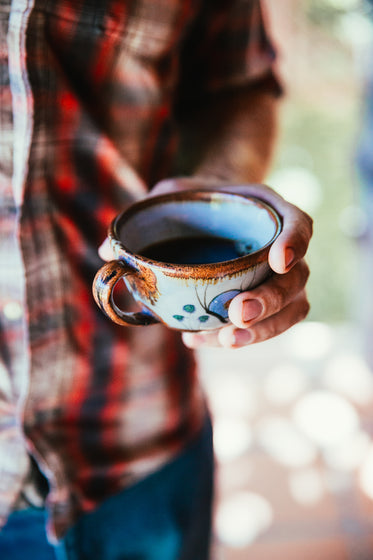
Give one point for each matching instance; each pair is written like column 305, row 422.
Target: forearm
column 233, row 138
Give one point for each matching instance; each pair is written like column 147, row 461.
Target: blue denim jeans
column 166, row 516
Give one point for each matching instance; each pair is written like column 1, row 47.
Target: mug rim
column 204, row 269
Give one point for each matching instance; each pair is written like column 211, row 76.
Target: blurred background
column 294, row 415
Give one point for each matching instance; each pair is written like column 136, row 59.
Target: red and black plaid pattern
column 87, row 94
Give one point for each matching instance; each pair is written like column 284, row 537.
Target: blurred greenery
column 320, row 123
column 329, row 140
column 326, row 13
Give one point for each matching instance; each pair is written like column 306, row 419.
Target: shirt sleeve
column 227, row 45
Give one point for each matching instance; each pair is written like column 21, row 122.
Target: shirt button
column 12, row 310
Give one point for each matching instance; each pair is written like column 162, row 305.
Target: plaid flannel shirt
column 87, row 127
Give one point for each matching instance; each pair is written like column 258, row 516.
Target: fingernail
column 289, row 256
column 241, row 337
column 252, row 308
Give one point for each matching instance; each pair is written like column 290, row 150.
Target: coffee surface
column 197, row 250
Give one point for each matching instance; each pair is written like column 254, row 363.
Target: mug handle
column 103, row 286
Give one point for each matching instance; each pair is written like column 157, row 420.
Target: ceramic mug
column 184, row 256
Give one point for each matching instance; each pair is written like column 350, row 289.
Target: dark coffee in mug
column 203, row 249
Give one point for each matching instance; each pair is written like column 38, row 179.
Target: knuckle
column 276, row 299
column 306, row 270
column 304, row 309
column 306, row 223
column 303, row 236
column 308, row 220
column 310, row 223
column 303, row 273
column 265, row 332
column 272, row 330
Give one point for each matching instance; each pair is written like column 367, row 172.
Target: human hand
column 280, row 302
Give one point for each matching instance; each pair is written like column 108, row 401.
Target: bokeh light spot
column 232, row 438
column 242, row 517
column 326, row 418
column 284, row 443
column 284, row 384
